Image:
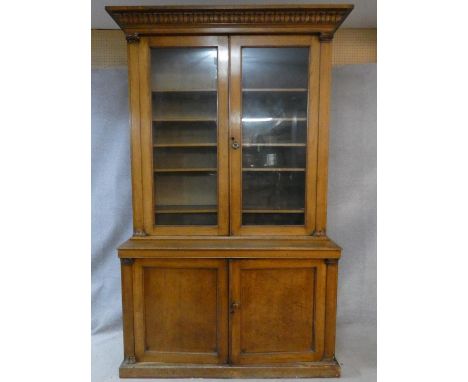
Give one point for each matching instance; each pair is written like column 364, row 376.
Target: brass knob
column 235, row 145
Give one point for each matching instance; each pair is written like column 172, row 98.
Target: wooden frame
column 240, row 356
column 235, row 131
column 142, row 354
column 221, row 43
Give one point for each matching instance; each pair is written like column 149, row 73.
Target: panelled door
column 274, row 103
column 181, row 310
column 184, row 129
column 263, row 311
column 277, row 311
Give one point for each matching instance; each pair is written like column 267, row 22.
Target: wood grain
column 321, row 369
column 180, row 310
column 323, row 135
column 134, row 104
column 227, row 301
column 280, row 310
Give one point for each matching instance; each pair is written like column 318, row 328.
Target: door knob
column 234, row 306
column 235, row 145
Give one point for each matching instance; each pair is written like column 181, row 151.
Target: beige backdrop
column 350, row 46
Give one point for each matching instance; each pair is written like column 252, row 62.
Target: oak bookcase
column 229, row 272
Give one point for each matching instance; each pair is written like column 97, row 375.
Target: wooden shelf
column 189, row 209
column 165, row 170
column 273, row 145
column 182, row 145
column 278, row 90
column 274, row 169
column 272, row 211
column 268, row 119
column 185, row 91
column 185, row 119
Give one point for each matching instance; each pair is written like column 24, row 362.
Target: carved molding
column 319, row 233
column 139, row 233
column 132, row 37
column 331, row 261
column 326, row 37
column 130, row 359
column 330, row 17
column 127, row 261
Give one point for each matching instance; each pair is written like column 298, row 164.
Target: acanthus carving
column 326, row 37
column 230, row 17
column 132, row 37
column 127, row 261
column 319, row 233
column 139, row 233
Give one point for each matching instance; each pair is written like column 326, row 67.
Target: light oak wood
column 324, row 120
column 322, row 369
column 330, row 308
column 227, row 300
column 134, row 103
column 127, row 309
column 180, row 310
column 277, row 310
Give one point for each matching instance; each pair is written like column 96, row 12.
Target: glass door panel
column 274, row 131
column 274, row 98
column 188, row 95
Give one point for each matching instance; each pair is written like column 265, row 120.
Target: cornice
column 308, row 18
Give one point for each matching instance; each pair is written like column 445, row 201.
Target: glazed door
column 273, row 134
column 277, row 311
column 184, row 109
column 181, row 310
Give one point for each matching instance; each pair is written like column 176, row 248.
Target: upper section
column 229, row 116
column 311, row 18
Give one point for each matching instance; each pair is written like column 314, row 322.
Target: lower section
column 324, row 369
column 189, row 315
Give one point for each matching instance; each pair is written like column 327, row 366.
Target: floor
column 356, row 352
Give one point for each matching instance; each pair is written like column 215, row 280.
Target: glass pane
column 274, row 135
column 184, row 105
column 274, row 191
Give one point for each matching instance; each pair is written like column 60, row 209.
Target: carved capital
column 139, row 233
column 326, row 37
column 132, row 37
column 331, row 261
column 127, row 261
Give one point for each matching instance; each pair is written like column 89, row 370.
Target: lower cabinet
column 238, row 312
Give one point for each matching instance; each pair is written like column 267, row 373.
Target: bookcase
column 229, row 272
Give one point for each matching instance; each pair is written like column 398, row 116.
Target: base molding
column 324, row 369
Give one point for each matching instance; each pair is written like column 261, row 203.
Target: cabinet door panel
column 181, row 310
column 277, row 310
column 184, row 134
column 274, row 100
